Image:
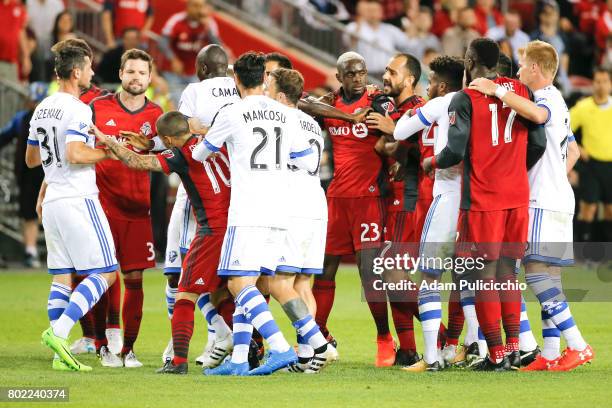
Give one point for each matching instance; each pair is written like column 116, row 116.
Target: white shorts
column 550, row 237
column 439, row 232
column 304, row 247
column 181, row 230
column 78, row 237
column 251, row 251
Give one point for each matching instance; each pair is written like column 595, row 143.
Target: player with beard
column 125, row 197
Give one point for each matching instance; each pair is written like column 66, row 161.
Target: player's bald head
column 211, row 59
column 172, row 124
column 348, row 58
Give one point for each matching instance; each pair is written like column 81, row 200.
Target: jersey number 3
column 45, row 145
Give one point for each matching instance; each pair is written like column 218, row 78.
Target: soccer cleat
column 214, row 355
column 130, row 360
column 454, row 355
column 168, row 353
column 275, row 361
column 385, row 356
column 406, row 358
column 320, row 360
column 170, row 368
column 108, row 359
column 228, row 368
column 488, row 365
column 84, row 345
column 472, row 353
column 298, row 367
column 59, row 365
column 255, row 355
column 514, row 358
column 571, row 359
column 527, row 357
column 541, row 364
column 421, row 366
column 115, row 340
column 331, row 340
column 60, row 346
column 31, row 261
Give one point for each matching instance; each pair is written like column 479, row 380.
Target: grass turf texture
column 351, row 381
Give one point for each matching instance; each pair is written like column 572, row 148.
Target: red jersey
column 128, row 14
column 405, row 192
column 91, row 93
column 13, row 16
column 588, row 12
column 495, row 172
column 207, row 185
column 124, row 192
column 186, row 39
column 358, row 169
column 426, row 149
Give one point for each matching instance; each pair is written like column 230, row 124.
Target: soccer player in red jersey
column 493, row 219
column 209, row 196
column 399, row 80
column 125, row 195
column 118, row 15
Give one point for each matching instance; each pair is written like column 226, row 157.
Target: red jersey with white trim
column 124, row 192
column 358, row 169
column 207, row 185
column 92, row 93
column 426, row 148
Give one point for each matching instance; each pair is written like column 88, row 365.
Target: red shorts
column 399, row 226
column 491, row 234
column 422, row 207
column 133, row 243
column 354, row 224
column 201, row 262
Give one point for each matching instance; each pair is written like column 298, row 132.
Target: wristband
column 500, row 91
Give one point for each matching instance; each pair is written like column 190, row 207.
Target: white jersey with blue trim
column 549, row 186
column 261, row 136
column 58, row 120
column 306, row 194
column 436, row 110
column 202, row 100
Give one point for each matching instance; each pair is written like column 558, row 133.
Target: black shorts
column 30, row 181
column 596, row 182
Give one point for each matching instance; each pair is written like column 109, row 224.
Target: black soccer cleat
column 170, row 368
column 488, row 365
column 472, row 353
column 255, row 355
column 528, row 357
column 406, row 358
column 515, row 360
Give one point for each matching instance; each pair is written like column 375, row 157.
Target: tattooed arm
column 131, row 159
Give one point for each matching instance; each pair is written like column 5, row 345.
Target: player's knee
column 173, row 280
column 607, row 212
column 192, row 297
column 587, row 211
column 133, row 274
column 110, row 277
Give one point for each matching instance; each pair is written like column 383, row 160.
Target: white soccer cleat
column 333, row 352
column 115, row 340
column 214, row 355
column 84, row 345
column 320, row 361
column 449, row 352
column 168, row 353
column 130, row 360
column 109, row 359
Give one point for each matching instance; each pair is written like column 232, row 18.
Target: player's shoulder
column 549, row 94
column 103, row 100
column 153, row 107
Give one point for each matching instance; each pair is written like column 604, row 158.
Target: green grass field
column 352, row 381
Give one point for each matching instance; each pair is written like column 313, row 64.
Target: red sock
column 441, row 335
column 511, row 313
column 98, row 313
column 226, row 310
column 132, row 312
column 455, row 319
column 377, row 302
column 488, row 311
column 114, row 304
column 404, row 325
column 323, row 292
column 182, row 329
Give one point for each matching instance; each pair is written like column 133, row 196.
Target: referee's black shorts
column 29, row 186
column 596, row 182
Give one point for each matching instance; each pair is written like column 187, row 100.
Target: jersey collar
column 129, row 111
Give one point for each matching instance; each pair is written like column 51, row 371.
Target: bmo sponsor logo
column 359, row 130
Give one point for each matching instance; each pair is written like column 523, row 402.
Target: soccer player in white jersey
column 199, row 102
column 261, row 137
column 551, row 205
column 302, row 256
column 77, row 233
column 440, row 230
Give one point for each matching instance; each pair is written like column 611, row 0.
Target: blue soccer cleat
column 228, row 368
column 275, row 362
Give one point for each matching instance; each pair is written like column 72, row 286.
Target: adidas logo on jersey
column 282, row 259
column 200, row 281
column 111, row 123
column 82, row 126
column 236, row 262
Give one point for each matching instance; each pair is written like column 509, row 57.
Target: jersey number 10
column 494, row 128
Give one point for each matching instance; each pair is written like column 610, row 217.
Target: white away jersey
column 203, row 99
column 260, row 134
column 436, row 110
column 550, row 188
column 305, row 192
column 58, row 120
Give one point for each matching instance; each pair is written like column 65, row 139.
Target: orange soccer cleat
column 541, row 364
column 573, row 358
column 385, row 357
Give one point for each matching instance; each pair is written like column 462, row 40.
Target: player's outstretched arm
column 80, row 153
column 408, row 126
column 523, row 106
column 131, row 159
column 316, row 108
